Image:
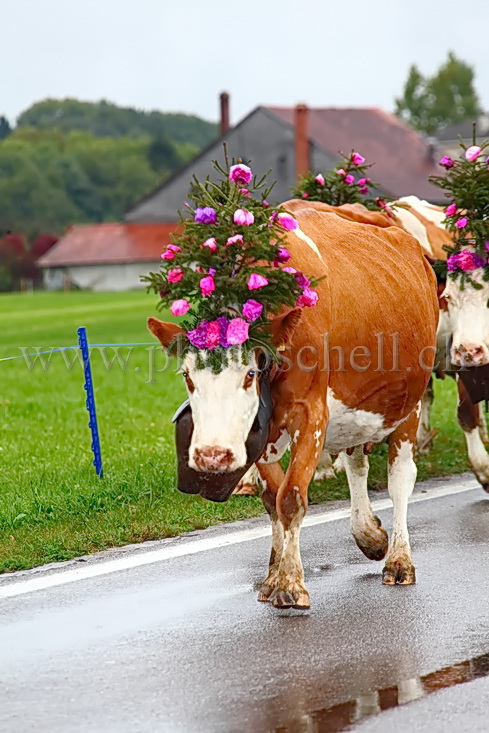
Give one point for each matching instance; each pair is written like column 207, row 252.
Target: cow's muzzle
column 214, row 459
column 470, row 355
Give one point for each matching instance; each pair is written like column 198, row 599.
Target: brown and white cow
column 330, row 389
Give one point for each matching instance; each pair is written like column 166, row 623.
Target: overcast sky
column 179, row 54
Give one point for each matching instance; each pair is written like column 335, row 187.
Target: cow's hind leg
column 469, row 419
column 399, row 568
column 324, row 468
column 250, row 484
column 425, row 434
column 365, row 527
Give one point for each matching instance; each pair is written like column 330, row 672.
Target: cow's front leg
column 469, row 419
column 366, row 528
column 290, row 591
column 272, row 477
column 399, row 568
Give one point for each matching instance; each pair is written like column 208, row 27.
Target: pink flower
column 243, row 217
column 469, row 261
column 283, row 255
column 461, row 223
column 173, row 247
column 287, row 222
column 305, row 195
column 205, row 215
column 308, row 298
column 180, row 307
column 174, row 276
column 168, row 255
column 292, row 270
column 244, row 192
column 240, row 174
column 211, row 244
column 213, row 335
column 363, row 189
column 357, row 159
column 487, row 246
column 349, row 179
column 237, row 332
column 265, row 204
column 207, row 285
column 472, row 153
column 320, row 179
column 363, row 181
column 451, row 210
column 302, row 280
column 252, row 309
column 237, row 239
column 341, row 172
column 256, row 281
column 447, row 162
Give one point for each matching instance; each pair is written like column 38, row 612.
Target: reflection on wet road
column 182, row 645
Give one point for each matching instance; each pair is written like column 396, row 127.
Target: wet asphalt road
column 182, row 644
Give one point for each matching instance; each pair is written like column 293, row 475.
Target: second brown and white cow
column 354, row 370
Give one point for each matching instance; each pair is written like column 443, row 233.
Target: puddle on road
column 341, row 717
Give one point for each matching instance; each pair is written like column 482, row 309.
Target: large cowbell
column 220, row 486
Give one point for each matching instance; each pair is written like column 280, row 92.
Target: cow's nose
column 471, row 355
column 212, row 458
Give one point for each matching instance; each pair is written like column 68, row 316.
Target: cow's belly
column 348, row 427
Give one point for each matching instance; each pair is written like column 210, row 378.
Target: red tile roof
column 400, row 154
column 91, row 244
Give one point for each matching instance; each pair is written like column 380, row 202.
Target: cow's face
column 224, row 407
column 468, row 314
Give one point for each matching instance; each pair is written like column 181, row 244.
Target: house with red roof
column 288, row 141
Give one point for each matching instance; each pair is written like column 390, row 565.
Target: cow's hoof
column 396, row 573
column 372, row 540
column 265, row 592
column 288, row 598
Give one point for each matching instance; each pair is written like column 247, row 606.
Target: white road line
column 193, row 546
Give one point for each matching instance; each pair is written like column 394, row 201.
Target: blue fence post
column 97, row 454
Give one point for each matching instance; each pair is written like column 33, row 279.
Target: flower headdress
column 225, row 272
column 467, row 216
column 346, row 183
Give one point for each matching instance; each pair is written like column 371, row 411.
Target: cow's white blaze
column 468, row 320
column 223, row 409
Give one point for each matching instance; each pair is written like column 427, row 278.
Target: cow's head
column 468, row 315
column 223, row 405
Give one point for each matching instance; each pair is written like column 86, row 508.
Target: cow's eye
column 249, row 379
column 188, row 381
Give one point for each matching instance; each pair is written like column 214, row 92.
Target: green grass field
column 52, row 505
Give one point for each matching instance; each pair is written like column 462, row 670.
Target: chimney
column 301, row 140
column 224, row 100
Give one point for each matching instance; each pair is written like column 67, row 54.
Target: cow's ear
column 164, row 332
column 284, row 325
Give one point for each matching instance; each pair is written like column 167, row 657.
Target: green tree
column 5, row 128
column 162, row 155
column 447, row 97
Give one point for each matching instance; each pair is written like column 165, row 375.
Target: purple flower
column 292, row 270
column 180, row 307
column 174, row 276
column 447, row 162
column 243, row 217
column 473, row 152
column 283, row 255
column 451, row 210
column 211, row 244
column 349, row 179
column 237, row 239
column 357, row 159
column 256, row 281
column 207, row 285
column 287, row 222
column 252, row 310
column 198, row 336
column 237, row 332
column 212, row 271
column 206, row 215
column 461, row 223
column 240, row 174
column 319, row 179
column 452, row 263
column 223, row 324
column 487, row 246
column 308, row 299
column 302, row 280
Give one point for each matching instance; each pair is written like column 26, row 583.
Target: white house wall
column 100, row 278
